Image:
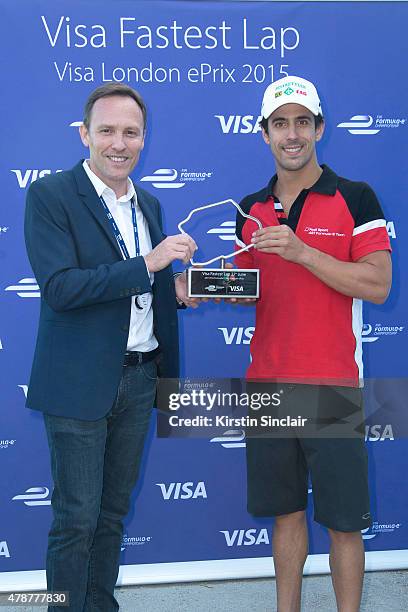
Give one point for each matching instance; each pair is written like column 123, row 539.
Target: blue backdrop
column 202, row 68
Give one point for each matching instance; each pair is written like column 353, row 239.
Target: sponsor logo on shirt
column 323, row 231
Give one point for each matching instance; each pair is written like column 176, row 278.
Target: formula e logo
column 36, row 496
column 232, row 438
column 134, row 541
column 4, row 550
column 226, row 230
column 24, row 389
column 367, row 329
column 246, row 537
column 182, row 490
column 363, row 124
column 26, row 288
column 237, row 335
column 239, row 124
column 380, row 330
column 367, row 535
column 6, row 443
column 163, row 178
column 378, row 528
column 24, row 177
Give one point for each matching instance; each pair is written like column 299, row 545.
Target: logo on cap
column 288, row 91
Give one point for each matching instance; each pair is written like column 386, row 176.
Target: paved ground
column 383, row 592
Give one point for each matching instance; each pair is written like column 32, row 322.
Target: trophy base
column 223, row 283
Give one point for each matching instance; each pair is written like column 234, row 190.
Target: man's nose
column 118, row 143
column 292, row 131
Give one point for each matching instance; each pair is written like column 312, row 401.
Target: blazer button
column 125, row 328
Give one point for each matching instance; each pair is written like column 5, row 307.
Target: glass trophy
column 203, row 281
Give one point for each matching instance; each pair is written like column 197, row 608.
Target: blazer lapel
column 90, row 198
column 156, row 234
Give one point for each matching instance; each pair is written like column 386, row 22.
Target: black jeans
column 95, row 465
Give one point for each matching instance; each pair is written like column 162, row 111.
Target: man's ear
column 320, row 131
column 265, row 136
column 83, row 132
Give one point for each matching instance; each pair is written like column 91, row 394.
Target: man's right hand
column 180, row 247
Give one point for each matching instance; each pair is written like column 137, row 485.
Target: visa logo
column 375, row 433
column 237, row 335
column 182, row 490
column 239, row 124
column 24, row 177
column 246, row 537
column 391, row 229
column 4, row 551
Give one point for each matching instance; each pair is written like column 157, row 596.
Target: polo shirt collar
column 326, row 184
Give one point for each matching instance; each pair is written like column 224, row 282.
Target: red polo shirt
column 306, row 331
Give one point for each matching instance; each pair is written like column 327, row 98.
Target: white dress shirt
column 141, row 337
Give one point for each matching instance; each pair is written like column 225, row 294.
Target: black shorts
column 278, row 466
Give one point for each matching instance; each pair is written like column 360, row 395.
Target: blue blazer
column 86, row 290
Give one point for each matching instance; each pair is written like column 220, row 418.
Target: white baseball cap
column 291, row 90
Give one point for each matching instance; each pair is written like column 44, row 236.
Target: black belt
column 137, row 357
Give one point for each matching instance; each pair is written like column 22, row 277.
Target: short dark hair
column 318, row 119
column 113, row 89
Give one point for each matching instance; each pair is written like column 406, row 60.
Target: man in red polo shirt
column 322, row 250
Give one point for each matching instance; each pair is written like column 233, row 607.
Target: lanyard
column 141, row 301
column 118, row 235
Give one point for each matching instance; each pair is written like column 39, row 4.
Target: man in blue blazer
column 108, row 323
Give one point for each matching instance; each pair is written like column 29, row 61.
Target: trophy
column 221, row 282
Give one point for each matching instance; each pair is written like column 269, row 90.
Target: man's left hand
column 180, row 284
column 280, row 240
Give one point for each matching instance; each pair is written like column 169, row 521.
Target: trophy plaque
column 221, row 282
